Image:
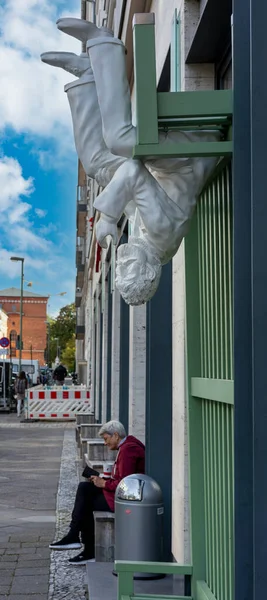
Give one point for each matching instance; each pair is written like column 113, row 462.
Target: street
column 30, row 458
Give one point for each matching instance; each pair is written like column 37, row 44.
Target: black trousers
column 88, row 498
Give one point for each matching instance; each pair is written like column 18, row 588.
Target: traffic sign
column 4, row 342
column 4, row 352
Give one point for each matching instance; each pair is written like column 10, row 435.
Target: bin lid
column 139, row 488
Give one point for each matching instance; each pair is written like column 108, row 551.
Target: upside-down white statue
column 159, row 196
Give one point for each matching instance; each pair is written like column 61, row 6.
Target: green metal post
column 195, row 408
column 176, row 53
column 145, row 79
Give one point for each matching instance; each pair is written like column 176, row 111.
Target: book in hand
column 88, row 472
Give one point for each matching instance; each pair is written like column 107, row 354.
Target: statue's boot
column 76, row 65
column 107, row 57
column 82, row 30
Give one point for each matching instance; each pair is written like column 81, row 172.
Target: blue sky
column 38, row 163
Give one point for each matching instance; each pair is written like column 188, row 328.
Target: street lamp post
column 21, row 260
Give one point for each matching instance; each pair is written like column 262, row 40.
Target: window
column 28, row 368
column 14, row 308
column 223, row 70
column 13, row 336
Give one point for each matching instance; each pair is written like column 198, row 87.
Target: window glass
column 28, row 368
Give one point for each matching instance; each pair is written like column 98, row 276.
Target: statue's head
column 138, row 271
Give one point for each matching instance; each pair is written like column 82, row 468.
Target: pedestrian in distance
column 98, row 493
column 59, row 374
column 21, row 385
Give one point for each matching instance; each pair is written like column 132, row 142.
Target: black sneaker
column 81, row 559
column 67, row 543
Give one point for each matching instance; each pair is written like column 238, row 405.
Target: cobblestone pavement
column 66, row 581
column 33, row 467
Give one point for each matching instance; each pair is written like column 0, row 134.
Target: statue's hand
column 105, row 228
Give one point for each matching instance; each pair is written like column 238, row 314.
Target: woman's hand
column 98, row 481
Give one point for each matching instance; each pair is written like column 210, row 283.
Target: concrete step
column 104, row 536
column 102, row 583
column 94, row 464
column 85, row 418
column 98, row 465
column 89, row 430
column 97, row 450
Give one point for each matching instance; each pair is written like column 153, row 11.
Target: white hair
column 112, row 427
column 138, row 271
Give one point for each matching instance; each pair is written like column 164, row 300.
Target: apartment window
column 13, row 336
column 223, row 70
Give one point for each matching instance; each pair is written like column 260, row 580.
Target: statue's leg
column 96, row 159
column 107, row 57
column 108, row 63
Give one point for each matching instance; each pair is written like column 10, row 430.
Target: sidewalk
column 32, row 513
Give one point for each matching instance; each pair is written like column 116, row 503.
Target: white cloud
column 18, row 231
column 32, row 98
column 40, row 212
column 12, row 183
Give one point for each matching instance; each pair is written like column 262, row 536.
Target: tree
column 62, row 332
column 68, row 355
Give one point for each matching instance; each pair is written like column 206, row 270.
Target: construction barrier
column 56, row 403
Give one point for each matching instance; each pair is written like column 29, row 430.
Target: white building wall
column 104, row 354
column 93, row 357
column 98, row 384
column 137, row 371
column 115, row 353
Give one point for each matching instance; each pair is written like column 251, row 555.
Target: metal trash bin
column 139, row 521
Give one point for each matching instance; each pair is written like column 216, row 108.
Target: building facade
column 151, row 366
column 34, row 332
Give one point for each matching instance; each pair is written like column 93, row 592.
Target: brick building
column 34, row 322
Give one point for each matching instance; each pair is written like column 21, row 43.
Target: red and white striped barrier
column 59, row 394
column 56, row 404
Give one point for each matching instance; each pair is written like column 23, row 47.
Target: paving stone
column 15, row 551
column 9, row 545
column 6, row 579
column 30, row 585
column 25, row 597
column 43, row 544
column 8, row 558
column 2, row 551
column 20, row 551
column 5, row 589
column 31, row 570
column 41, row 553
column 29, row 563
column 7, row 566
column 27, row 538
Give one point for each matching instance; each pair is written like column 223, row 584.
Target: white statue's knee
column 116, row 145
